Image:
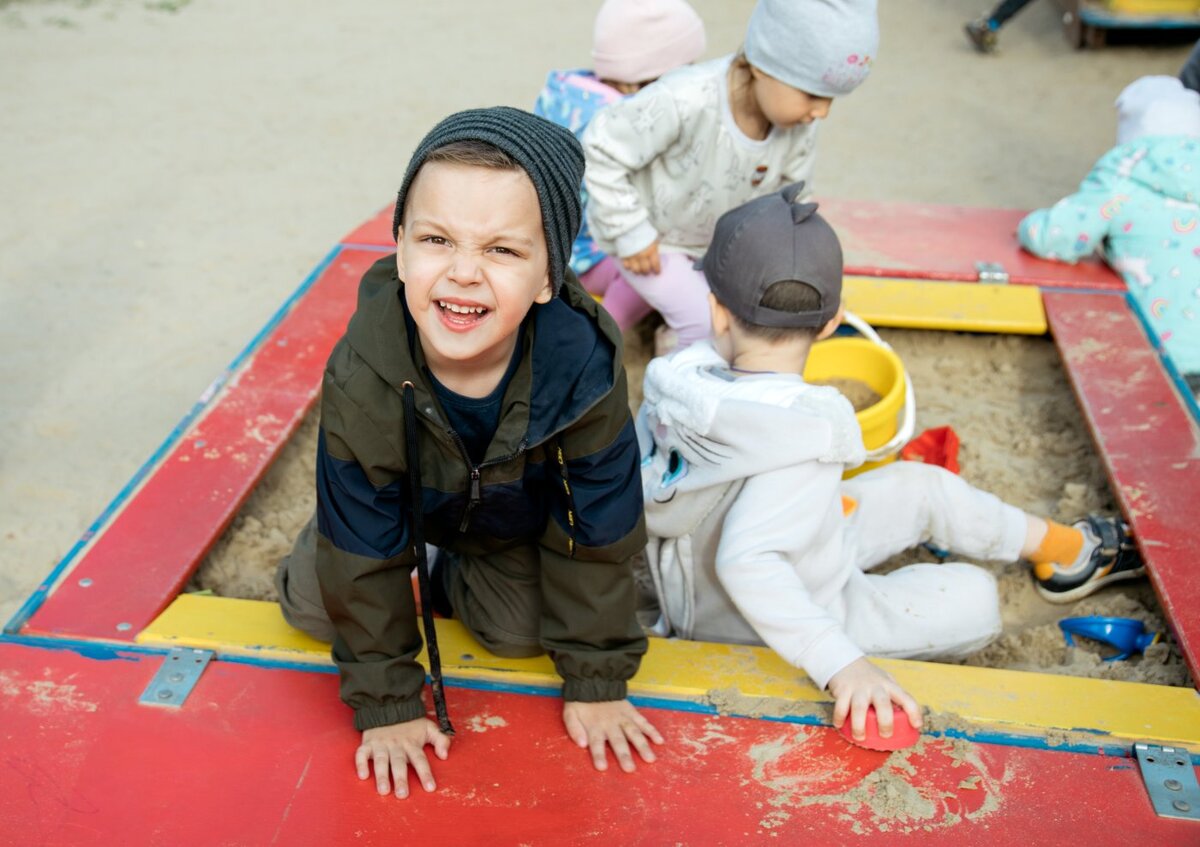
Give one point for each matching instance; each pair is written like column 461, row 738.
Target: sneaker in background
column 982, row 35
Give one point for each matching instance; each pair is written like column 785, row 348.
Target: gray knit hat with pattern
column 549, row 154
column 822, row 47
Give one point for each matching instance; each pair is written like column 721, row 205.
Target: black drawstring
column 418, row 539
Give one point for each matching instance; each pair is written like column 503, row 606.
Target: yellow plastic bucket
column 880, row 368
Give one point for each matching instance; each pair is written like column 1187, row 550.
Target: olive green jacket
column 560, row 480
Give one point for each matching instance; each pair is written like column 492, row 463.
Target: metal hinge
column 1170, row 780
column 175, row 679
column 991, row 272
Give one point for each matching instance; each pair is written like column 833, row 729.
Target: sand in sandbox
column 1022, row 437
column 860, row 395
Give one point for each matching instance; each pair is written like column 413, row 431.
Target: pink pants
column 679, row 293
column 622, row 302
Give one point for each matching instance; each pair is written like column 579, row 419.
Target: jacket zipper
column 474, row 488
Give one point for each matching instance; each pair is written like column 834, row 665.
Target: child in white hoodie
column 754, row 535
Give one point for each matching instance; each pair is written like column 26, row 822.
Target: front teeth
column 462, row 310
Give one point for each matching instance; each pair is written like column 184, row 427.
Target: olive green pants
column 497, row 597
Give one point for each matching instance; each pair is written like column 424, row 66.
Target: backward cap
column 548, row 153
column 769, row 240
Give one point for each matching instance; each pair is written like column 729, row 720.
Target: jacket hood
column 570, row 360
column 702, row 432
column 1157, row 105
column 1165, row 164
column 736, row 427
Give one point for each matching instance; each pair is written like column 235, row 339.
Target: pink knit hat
column 640, row 40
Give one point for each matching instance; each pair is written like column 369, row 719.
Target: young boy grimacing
column 754, row 535
column 525, row 453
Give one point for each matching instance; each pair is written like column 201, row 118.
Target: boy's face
column 473, row 258
column 785, row 106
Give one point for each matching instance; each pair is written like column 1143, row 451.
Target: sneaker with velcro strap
column 1113, row 558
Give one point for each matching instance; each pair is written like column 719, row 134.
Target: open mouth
column 461, row 315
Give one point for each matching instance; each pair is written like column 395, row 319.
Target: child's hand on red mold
column 394, row 748
column 861, row 685
column 613, row 723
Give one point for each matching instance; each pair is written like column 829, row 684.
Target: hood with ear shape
column 700, row 429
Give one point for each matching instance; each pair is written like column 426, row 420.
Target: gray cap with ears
column 769, row 240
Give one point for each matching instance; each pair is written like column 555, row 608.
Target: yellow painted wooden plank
column 750, row 680
column 231, row 626
column 965, row 306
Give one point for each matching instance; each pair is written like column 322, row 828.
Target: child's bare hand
column 646, row 262
column 615, row 723
column 394, row 748
column 861, row 684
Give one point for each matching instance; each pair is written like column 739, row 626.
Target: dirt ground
column 174, row 169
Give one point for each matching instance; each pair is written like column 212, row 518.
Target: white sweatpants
column 924, row 611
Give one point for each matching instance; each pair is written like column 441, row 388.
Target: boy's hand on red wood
column 393, row 749
column 612, row 723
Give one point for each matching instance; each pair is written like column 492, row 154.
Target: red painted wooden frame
column 1149, row 442
column 141, row 560
column 260, row 756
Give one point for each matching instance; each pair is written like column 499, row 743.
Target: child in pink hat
column 634, row 43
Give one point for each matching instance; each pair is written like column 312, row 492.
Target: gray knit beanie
column 549, row 154
column 822, row 47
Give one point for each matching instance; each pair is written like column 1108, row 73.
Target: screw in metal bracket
column 991, row 272
column 1170, row 780
column 176, row 678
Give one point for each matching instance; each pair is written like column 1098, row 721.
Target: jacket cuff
column 637, row 239
column 594, row 690
column 370, row 717
column 828, row 655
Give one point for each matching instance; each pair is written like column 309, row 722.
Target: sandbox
column 1022, row 438
column 994, row 737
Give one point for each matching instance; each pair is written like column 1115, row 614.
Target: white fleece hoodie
column 741, row 477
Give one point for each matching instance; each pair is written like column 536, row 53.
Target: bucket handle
column 904, row 432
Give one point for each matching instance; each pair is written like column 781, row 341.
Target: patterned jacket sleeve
column 1075, row 226
column 624, row 138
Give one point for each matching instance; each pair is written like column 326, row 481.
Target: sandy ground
column 172, row 170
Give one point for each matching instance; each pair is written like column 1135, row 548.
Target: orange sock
column 1061, row 545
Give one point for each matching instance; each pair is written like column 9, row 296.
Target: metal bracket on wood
column 991, row 272
column 1170, row 780
column 175, row 679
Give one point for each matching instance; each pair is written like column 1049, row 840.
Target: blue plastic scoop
column 1127, row 635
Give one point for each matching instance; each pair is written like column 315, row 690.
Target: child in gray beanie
column 665, row 163
column 477, row 401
